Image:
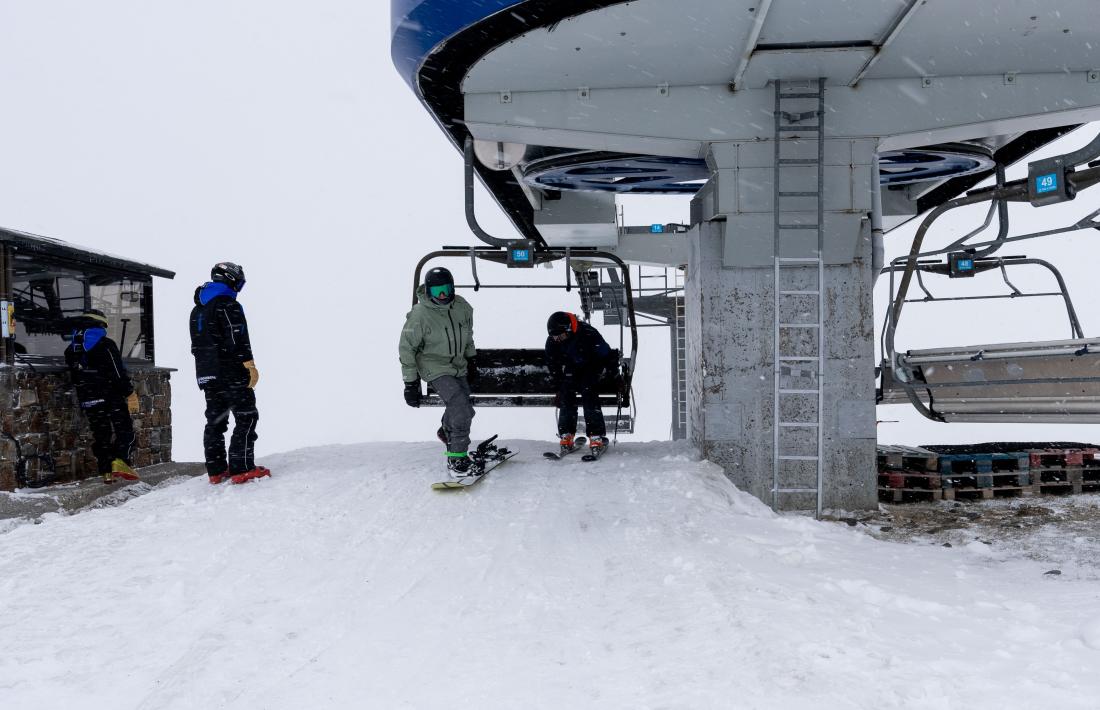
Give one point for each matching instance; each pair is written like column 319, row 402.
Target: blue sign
column 521, row 255
column 657, row 229
column 1046, row 183
column 964, row 264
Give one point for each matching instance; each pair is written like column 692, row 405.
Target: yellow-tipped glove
column 132, row 403
column 253, row 373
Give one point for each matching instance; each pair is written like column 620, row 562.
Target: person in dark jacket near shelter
column 105, row 393
column 578, row 357
column 437, row 346
column 227, row 375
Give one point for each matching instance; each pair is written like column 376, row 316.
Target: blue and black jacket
column 219, row 337
column 95, row 365
column 581, row 359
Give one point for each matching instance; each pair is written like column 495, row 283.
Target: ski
column 595, row 454
column 485, row 458
column 578, row 444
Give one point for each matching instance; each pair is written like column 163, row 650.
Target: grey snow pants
column 455, row 393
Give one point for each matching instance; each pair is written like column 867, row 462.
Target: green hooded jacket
column 436, row 340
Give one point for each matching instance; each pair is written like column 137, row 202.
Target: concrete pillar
column 730, row 305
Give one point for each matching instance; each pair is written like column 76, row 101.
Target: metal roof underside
column 703, row 42
column 26, row 243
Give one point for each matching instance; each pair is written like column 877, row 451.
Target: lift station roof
column 612, row 83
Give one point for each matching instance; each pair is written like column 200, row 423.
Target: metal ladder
column 679, row 354
column 798, row 130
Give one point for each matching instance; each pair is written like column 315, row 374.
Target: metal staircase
column 799, row 361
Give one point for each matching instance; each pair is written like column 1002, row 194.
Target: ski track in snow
column 643, row 581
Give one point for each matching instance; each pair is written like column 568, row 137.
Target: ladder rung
column 799, row 259
column 802, row 129
column 803, row 193
column 799, row 391
column 798, row 161
column 799, row 325
column 797, row 226
column 800, row 293
column 793, row 358
column 802, row 95
column 797, row 425
column 794, row 490
column 789, row 457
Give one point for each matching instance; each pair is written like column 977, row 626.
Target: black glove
column 412, row 393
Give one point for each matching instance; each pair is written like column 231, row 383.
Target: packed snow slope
column 644, row 580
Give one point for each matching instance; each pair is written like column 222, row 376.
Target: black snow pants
column 220, row 402
column 586, row 385
column 459, row 414
column 112, row 432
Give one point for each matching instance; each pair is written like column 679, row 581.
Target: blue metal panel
column 419, row 26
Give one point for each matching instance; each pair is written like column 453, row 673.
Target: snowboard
column 485, row 458
column 578, row 444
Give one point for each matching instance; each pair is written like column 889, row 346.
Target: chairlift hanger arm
column 471, row 214
column 998, row 207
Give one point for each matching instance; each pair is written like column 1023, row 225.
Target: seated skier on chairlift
column 578, row 357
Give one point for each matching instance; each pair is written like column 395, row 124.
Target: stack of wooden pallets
column 983, row 471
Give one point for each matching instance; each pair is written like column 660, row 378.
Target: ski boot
column 257, row 472
column 597, row 445
column 217, row 478
column 122, row 469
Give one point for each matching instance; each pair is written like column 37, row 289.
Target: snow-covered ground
column 643, row 581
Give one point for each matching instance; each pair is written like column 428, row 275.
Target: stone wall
column 39, row 408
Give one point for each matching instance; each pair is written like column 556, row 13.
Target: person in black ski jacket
column 227, row 375
column 105, row 393
column 578, row 357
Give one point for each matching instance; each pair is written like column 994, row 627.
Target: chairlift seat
column 1043, row 382
column 520, row 377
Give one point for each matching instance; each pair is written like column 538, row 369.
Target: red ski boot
column 258, row 472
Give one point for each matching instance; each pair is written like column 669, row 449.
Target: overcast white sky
column 278, row 134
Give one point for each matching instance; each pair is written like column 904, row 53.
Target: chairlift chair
column 520, row 377
column 1052, row 381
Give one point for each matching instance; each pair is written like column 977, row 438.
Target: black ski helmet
column 440, row 277
column 228, row 273
column 561, row 322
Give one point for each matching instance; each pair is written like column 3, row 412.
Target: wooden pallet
column 1064, row 458
column 983, row 463
column 909, row 495
column 1066, row 476
column 997, row 479
column 988, row 493
column 909, row 479
column 906, row 458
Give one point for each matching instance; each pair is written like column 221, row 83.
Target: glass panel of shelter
column 49, row 293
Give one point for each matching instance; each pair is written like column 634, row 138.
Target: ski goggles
column 444, row 292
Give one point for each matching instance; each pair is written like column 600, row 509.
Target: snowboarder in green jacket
column 437, row 346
